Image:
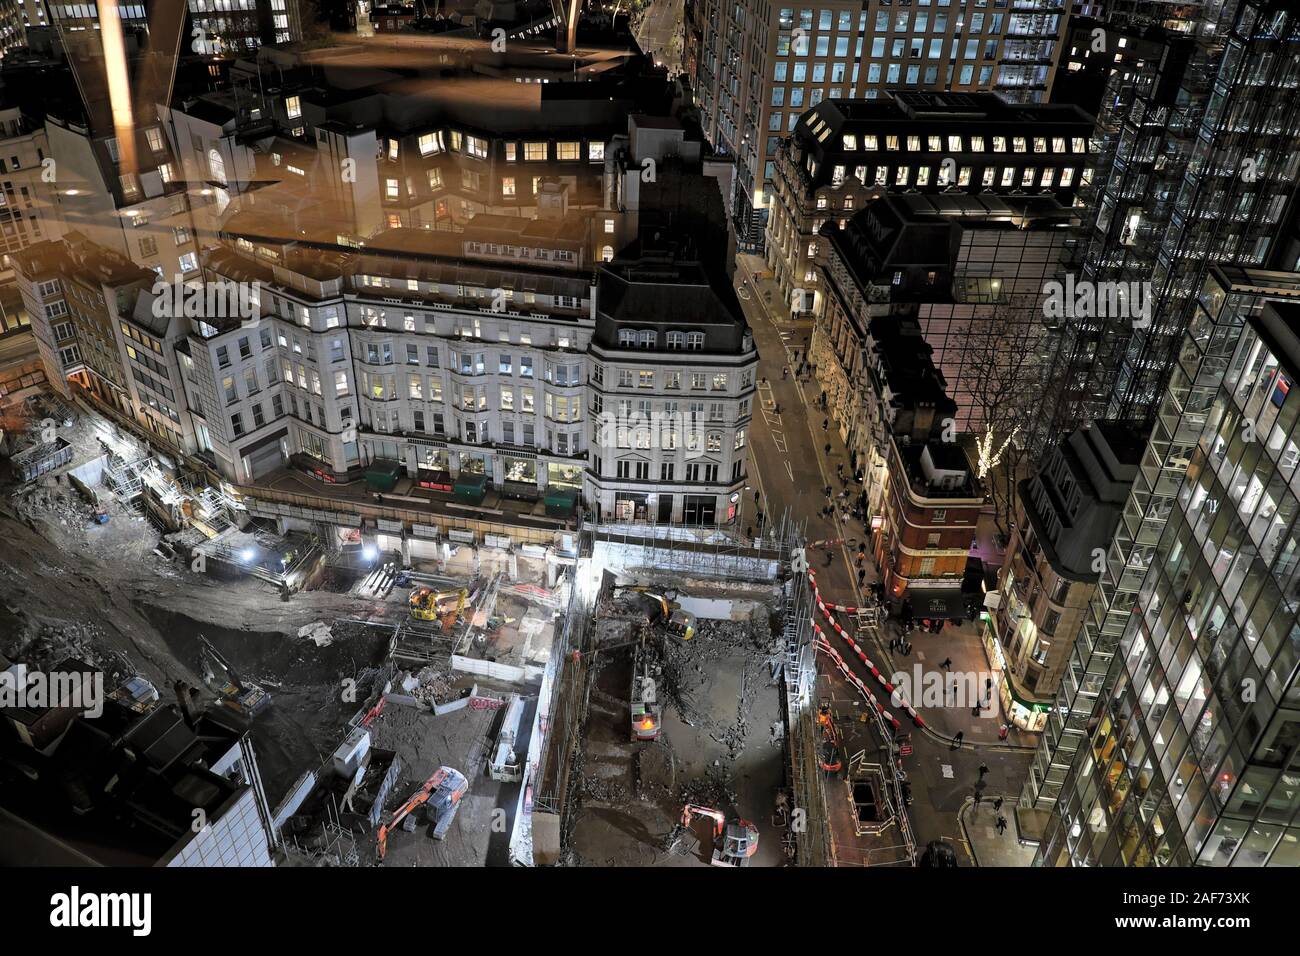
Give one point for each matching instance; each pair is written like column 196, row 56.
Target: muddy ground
column 721, row 746
column 98, row 592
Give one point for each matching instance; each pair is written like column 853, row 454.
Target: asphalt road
column 659, row 32
column 789, row 467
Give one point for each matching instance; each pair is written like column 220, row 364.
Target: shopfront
column 1020, row 708
column 519, row 477
column 433, row 469
column 700, row 509
column 629, row 506
column 559, row 475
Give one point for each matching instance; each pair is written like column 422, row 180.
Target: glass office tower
column 1176, row 739
column 1198, row 146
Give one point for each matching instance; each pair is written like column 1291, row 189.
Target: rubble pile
column 430, row 686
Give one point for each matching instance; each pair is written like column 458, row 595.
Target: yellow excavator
column 428, row 605
column 660, row 610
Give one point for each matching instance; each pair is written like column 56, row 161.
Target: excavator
column 429, row 605
column 733, row 843
column 236, row 692
column 442, row 792
column 663, row 611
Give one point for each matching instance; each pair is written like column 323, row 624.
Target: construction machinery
column 442, row 793
column 829, row 751
column 644, row 695
column 664, row 612
column 733, row 843
column 429, row 605
column 238, row 693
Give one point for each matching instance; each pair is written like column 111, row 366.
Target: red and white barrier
column 862, row 656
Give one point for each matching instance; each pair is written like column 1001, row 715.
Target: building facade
column 1197, row 164
column 844, row 153
column 760, row 66
column 1185, row 739
column 1065, row 516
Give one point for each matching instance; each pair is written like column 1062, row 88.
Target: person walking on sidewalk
column 828, row 448
column 785, row 372
column 1002, row 825
column 997, row 805
column 947, row 664
column 826, row 424
column 957, row 739
column 984, row 769
column 1003, row 731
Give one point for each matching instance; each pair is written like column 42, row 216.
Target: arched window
column 606, row 253
column 217, row 166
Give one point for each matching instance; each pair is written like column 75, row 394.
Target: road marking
column 789, row 471
column 778, row 439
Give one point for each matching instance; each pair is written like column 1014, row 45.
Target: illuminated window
column 568, row 150
column 430, row 143
column 292, row 107
column 534, row 152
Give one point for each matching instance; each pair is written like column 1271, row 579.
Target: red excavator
column 442, row 792
column 733, row 844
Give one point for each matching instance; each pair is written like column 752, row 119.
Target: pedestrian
column 984, row 769
column 997, row 805
column 862, row 576
column 956, row 741
column 1002, row 825
column 764, row 381
column 988, row 683
column 785, row 372
column 1003, row 731
column 947, row 664
column 978, row 797
column 749, row 532
column 826, row 424
column 777, row 408
column 975, row 711
column 828, row 451
column 829, row 559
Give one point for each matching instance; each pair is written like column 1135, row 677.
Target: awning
column 937, row 602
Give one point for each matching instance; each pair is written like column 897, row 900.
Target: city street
column 790, row 468
column 659, row 33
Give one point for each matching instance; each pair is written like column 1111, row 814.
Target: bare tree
column 1006, row 387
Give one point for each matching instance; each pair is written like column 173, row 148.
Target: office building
column 1173, row 741
column 759, row 67
column 844, row 153
column 1065, row 515
column 1197, row 165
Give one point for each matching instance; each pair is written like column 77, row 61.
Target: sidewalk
column 987, row 846
column 963, row 644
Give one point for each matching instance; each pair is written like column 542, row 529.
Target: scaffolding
column 718, row 551
column 811, row 840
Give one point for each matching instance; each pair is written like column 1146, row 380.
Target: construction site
column 625, row 695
